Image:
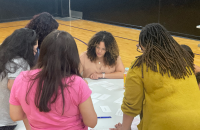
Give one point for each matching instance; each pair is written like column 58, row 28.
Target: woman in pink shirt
column 102, row 60
column 53, row 96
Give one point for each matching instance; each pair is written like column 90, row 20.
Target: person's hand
column 94, row 76
column 117, row 127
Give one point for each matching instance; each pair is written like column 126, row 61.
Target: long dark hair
column 43, row 24
column 19, row 44
column 162, row 49
column 112, row 50
column 58, row 59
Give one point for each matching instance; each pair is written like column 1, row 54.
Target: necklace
column 99, row 62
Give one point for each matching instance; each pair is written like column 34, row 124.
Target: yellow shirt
column 167, row 103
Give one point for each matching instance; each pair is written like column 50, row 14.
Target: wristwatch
column 103, row 73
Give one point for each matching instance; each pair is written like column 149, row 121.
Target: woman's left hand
column 94, row 76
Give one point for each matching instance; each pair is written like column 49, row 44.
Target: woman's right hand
column 117, row 127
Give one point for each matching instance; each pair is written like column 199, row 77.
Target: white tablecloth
column 102, row 87
column 114, row 88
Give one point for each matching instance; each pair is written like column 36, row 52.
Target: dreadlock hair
column 189, row 50
column 161, row 49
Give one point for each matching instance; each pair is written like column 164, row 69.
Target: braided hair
column 161, row 49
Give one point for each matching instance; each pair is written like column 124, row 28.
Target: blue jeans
column 8, row 127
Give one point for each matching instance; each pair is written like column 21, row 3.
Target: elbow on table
column 115, row 75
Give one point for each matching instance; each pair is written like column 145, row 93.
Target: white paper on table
column 119, row 112
column 91, row 88
column 95, row 95
column 113, row 88
column 104, row 97
column 119, row 100
column 94, row 101
column 105, row 109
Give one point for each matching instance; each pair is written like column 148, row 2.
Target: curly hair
column 43, row 24
column 19, row 44
column 161, row 49
column 112, row 50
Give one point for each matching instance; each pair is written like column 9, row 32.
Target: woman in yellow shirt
column 161, row 85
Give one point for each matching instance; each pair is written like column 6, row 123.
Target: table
column 112, row 87
column 115, row 94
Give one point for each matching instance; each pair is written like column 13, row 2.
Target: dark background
column 12, row 10
column 179, row 16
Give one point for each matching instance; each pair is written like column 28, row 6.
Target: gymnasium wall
column 179, row 16
column 12, row 10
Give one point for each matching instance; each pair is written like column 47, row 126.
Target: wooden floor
column 83, row 30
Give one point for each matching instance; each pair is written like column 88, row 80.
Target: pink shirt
column 53, row 120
